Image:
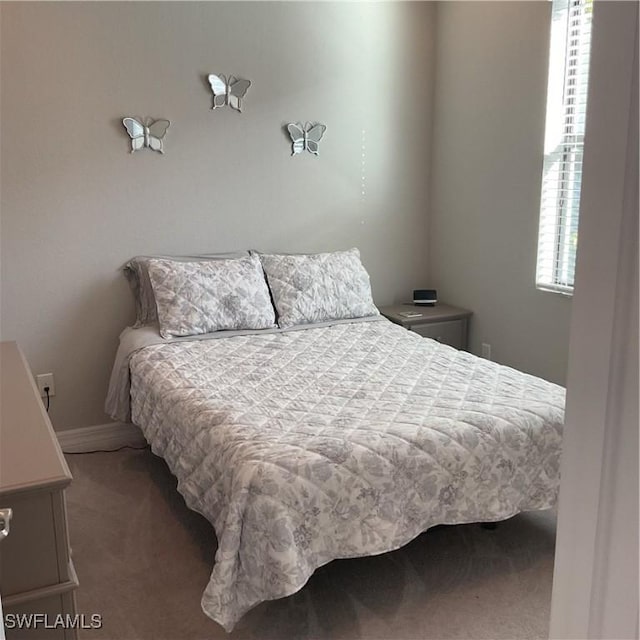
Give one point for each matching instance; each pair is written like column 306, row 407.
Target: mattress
column 335, row 442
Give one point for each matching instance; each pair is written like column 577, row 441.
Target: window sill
column 549, row 288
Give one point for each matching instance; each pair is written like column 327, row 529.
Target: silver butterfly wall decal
column 305, row 137
column 228, row 91
column 147, row 133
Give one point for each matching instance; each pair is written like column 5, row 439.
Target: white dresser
column 36, row 571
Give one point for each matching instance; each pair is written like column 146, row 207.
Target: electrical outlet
column 46, row 380
column 486, row 351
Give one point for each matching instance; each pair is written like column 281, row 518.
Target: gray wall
column 491, row 83
column 76, row 205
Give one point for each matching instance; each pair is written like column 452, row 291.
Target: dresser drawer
column 34, row 554
column 50, row 606
column 452, row 332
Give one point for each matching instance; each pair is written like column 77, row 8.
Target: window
column 563, row 145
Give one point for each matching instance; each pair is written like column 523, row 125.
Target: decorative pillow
column 214, row 295
column 137, row 274
column 318, row 287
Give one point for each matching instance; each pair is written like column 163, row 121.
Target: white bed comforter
column 337, row 442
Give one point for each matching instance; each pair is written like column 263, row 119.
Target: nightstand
column 443, row 322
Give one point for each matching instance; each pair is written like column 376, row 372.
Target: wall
column 75, row 205
column 491, row 83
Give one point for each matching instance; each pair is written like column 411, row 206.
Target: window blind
column 564, row 142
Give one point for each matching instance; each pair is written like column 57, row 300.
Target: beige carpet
column 143, row 560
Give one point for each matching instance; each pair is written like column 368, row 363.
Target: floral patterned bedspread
column 336, row 442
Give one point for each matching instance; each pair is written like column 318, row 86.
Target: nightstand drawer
column 451, row 333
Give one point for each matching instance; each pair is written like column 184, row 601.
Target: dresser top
column 30, row 456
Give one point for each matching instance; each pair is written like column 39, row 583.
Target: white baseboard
column 102, row 437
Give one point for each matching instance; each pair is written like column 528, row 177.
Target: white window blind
column 564, row 141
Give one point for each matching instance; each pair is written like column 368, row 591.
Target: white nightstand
column 442, row 322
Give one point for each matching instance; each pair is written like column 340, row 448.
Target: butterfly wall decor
column 305, row 137
column 229, row 91
column 147, row 133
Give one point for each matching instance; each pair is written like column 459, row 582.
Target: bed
column 332, row 440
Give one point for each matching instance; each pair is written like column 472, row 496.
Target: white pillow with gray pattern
column 318, row 287
column 216, row 295
column 137, row 274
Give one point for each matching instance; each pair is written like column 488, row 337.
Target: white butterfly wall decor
column 228, row 91
column 147, row 133
column 305, row 137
